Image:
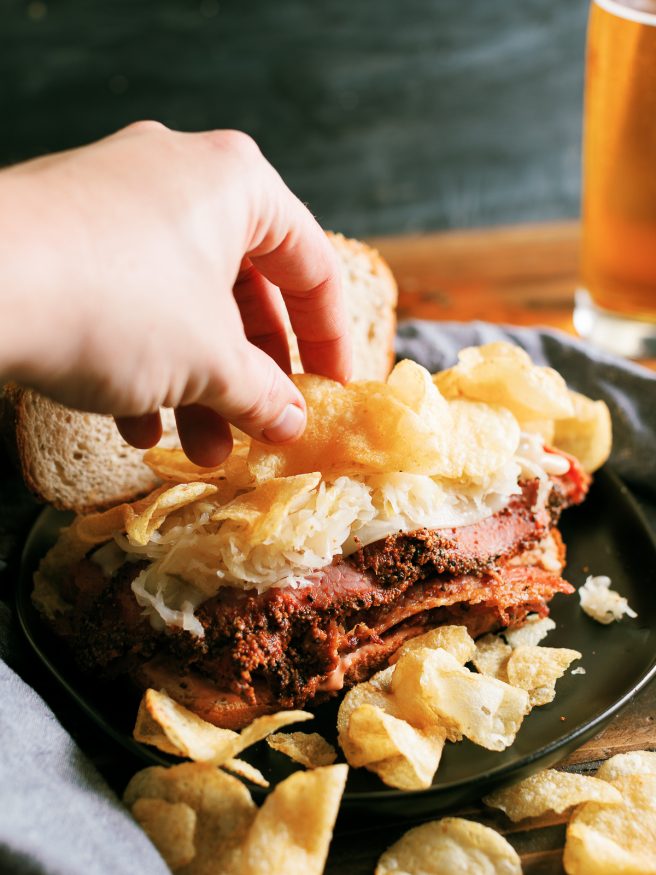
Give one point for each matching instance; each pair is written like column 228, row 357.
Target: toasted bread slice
column 78, row 461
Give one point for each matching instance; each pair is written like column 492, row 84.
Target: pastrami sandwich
column 292, row 572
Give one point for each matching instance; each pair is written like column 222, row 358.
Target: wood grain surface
column 522, row 275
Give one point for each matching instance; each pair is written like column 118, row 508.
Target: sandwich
column 288, row 574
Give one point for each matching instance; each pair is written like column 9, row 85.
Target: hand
column 153, row 269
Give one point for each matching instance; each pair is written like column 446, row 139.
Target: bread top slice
column 78, row 461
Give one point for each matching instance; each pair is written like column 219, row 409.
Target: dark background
column 384, row 116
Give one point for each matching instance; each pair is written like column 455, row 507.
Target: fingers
column 251, row 391
column 204, row 435
column 295, row 255
column 263, row 314
column 140, row 431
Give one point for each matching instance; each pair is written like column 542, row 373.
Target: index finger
column 296, row 255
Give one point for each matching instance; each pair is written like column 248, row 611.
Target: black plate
column 607, row 535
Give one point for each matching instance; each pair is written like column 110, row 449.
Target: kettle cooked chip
column 536, row 670
column 307, row 748
column 587, row 434
column 550, row 790
column 607, row 839
column 404, row 425
column 502, row 373
column 292, row 831
column 456, row 640
column 400, row 754
column 170, row 826
column 635, row 762
column 167, row 725
column 491, row 657
column 450, row 845
column 430, row 686
column 222, row 804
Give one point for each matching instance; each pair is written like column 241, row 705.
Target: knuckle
column 238, row 143
column 145, row 126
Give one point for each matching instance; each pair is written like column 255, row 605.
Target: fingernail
column 288, row 425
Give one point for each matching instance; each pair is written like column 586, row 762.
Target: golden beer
column 618, row 261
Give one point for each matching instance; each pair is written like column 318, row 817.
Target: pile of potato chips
column 612, row 828
column 501, row 373
column 396, row 724
column 204, row 822
column 460, row 424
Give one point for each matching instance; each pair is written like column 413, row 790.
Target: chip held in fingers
column 450, row 845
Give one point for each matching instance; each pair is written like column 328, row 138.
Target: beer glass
column 616, row 302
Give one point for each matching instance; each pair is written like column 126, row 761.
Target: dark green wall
column 383, row 116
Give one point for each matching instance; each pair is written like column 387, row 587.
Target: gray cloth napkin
column 57, row 815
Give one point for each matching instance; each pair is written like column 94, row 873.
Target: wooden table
column 525, row 276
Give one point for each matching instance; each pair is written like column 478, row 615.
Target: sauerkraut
column 202, row 546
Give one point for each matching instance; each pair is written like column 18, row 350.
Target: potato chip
column 607, row 839
column 245, row 770
column 587, row 434
column 95, row 528
column 404, row 425
column 545, row 428
column 140, row 524
column 165, row 724
column 635, row 762
column 263, row 726
column 412, row 385
column 450, row 845
column 307, row 748
column 170, row 463
column 550, row 790
column 456, row 640
column 351, row 429
column 373, row 692
column 536, row 670
column 402, row 756
column 502, row 373
column 293, row 829
column 264, row 510
column 430, row 686
column 170, row 826
column 491, row 656
column 224, row 811
column 533, row 630
column 168, row 726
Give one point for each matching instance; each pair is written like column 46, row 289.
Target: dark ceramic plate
column 607, row 535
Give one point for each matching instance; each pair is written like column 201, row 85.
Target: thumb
column 254, row 394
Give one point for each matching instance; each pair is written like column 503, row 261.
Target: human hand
column 153, row 268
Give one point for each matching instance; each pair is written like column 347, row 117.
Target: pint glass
column 616, row 303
